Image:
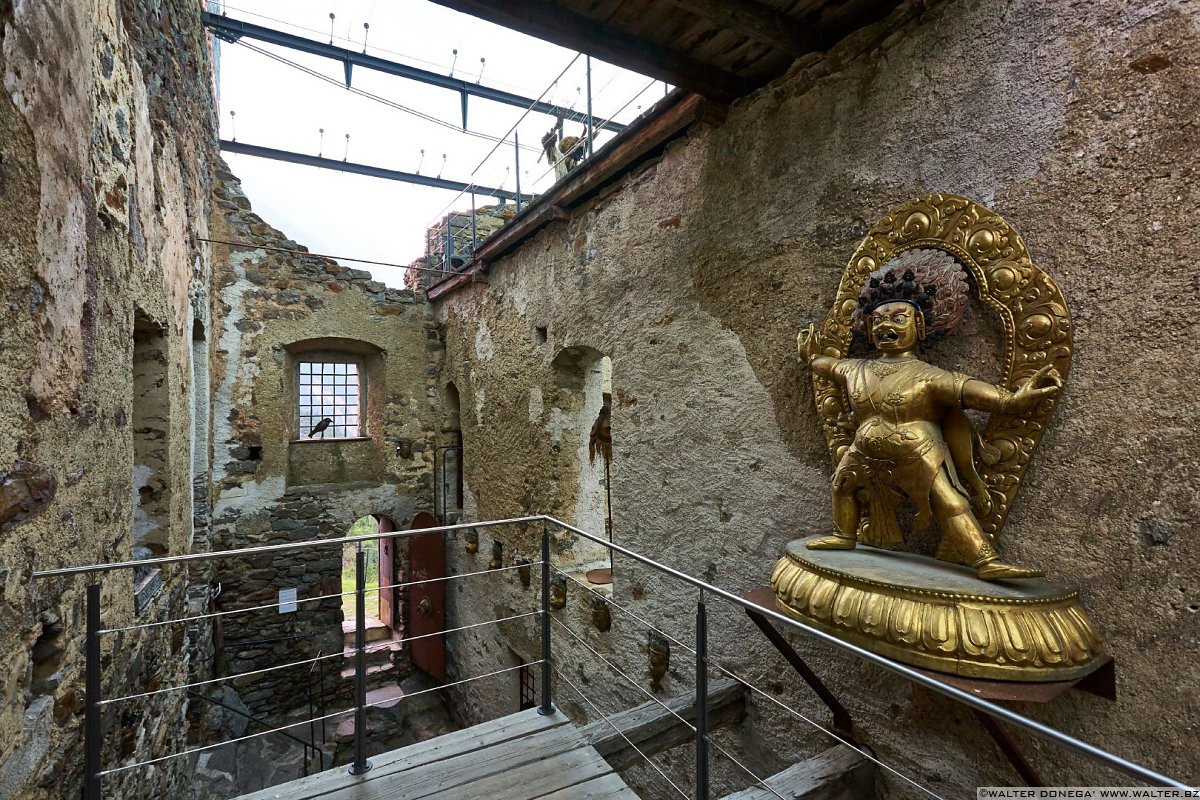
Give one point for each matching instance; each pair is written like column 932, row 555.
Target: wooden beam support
column 671, row 117
column 839, row 773
column 759, row 21
column 549, row 21
column 653, row 729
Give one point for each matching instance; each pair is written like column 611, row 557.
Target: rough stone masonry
column 149, row 384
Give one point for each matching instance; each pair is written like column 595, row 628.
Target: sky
column 272, row 104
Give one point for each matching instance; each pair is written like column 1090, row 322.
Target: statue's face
column 894, row 327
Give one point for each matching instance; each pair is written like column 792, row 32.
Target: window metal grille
column 528, row 687
column 330, row 391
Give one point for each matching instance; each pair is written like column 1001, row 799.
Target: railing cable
column 910, row 674
column 441, row 686
column 202, row 748
column 747, row 770
column 630, row 680
column 730, row 673
column 268, row 606
column 620, row 732
column 440, row 215
column 378, row 647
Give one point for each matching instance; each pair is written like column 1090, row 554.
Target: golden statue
column 912, row 438
column 909, row 460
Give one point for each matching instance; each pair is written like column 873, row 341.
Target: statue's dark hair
column 889, row 289
column 932, row 281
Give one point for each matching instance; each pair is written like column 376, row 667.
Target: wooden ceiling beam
column 546, row 20
column 758, row 21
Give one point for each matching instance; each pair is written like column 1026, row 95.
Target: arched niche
column 583, row 375
column 450, row 457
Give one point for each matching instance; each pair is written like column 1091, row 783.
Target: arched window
column 333, row 388
column 151, row 427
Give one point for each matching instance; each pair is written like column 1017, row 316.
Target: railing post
column 474, row 227
column 546, row 707
column 517, row 159
column 701, row 699
column 590, row 128
column 92, row 730
column 360, row 764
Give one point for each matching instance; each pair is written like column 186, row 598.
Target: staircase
column 383, row 653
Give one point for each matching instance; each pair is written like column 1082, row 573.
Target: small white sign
column 287, row 601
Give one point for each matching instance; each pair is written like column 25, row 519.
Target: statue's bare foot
column 834, row 542
column 999, row 571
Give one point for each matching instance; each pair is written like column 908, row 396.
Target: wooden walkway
column 519, row 757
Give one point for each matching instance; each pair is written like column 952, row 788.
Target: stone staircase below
column 383, row 655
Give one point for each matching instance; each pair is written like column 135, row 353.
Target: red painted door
column 427, row 559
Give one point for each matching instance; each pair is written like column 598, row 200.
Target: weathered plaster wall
column 268, row 486
column 105, row 132
column 1068, row 119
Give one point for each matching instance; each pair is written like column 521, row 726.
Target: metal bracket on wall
column 843, row 725
column 1101, row 682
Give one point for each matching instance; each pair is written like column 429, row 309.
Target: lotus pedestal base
column 937, row 615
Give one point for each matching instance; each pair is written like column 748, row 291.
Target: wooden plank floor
column 523, row 756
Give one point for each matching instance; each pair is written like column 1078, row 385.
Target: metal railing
column 318, row 754
column 703, row 663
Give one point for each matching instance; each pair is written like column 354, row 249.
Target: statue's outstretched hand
column 1045, row 383
column 806, row 343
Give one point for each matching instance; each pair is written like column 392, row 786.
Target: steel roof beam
column 233, row 29
column 366, row 169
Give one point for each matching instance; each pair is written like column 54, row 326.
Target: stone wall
column 106, row 130
column 273, row 485
column 693, row 277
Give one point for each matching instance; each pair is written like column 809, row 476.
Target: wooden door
column 387, row 575
column 427, row 559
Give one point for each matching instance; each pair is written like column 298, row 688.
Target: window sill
column 332, row 439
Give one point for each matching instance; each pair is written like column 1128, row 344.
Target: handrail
column 908, row 673
column 266, row 725
column 999, row 712
column 274, row 548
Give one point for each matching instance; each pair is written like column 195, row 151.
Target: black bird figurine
column 320, row 428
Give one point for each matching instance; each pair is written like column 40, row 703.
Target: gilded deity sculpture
column 912, row 440
column 909, row 461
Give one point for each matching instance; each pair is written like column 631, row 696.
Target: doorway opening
column 379, row 573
